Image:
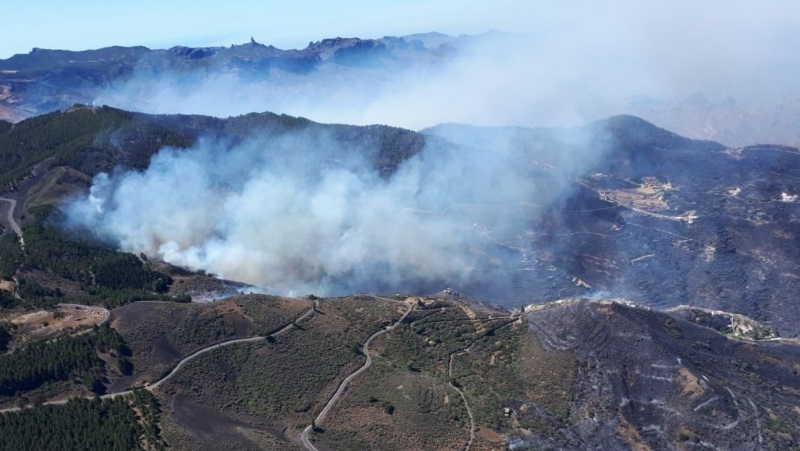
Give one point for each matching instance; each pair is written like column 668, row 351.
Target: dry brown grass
column 689, row 384
column 630, row 435
column 43, row 324
column 496, row 362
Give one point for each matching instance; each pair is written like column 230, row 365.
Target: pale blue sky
column 86, row 24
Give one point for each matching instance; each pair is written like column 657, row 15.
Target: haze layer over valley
column 721, row 70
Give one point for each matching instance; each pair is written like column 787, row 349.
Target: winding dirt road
column 471, row 439
column 365, row 350
column 472, row 426
column 181, row 363
column 199, row 352
column 10, row 216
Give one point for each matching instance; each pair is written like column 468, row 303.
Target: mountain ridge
column 581, row 373
column 43, row 80
column 617, row 227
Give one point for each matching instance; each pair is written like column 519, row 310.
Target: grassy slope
column 161, row 333
column 260, row 395
column 406, row 401
column 263, row 388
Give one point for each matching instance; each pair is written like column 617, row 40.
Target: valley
column 643, row 299
column 308, row 226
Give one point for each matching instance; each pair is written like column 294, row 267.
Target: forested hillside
column 65, row 359
column 105, row 275
column 119, row 424
column 49, row 157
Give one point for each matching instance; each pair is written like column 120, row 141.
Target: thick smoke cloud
column 301, row 213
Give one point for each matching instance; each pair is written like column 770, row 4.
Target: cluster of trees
column 63, row 359
column 112, row 277
column 396, row 146
column 12, row 256
column 114, row 298
column 7, row 300
column 60, row 135
column 87, row 138
column 78, row 258
column 5, row 335
column 129, row 145
column 108, row 424
column 32, row 290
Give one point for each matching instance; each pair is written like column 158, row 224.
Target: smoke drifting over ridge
column 564, row 65
column 494, row 79
column 302, row 213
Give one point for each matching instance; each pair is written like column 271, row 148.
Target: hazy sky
column 716, row 38
column 86, row 24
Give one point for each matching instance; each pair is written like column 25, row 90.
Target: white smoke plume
column 302, row 213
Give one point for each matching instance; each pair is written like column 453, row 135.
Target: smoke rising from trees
column 303, row 213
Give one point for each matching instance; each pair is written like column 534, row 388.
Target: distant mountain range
column 327, row 75
column 44, row 80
